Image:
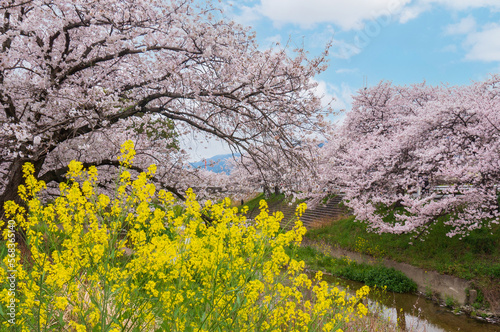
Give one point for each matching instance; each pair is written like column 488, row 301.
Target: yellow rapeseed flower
column 141, row 254
column 127, row 153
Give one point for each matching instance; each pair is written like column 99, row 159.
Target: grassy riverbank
column 371, row 275
column 475, row 258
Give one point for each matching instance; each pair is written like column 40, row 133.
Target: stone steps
column 317, row 216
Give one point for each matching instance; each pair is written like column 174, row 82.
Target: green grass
column 475, row 257
column 253, row 204
column 272, row 200
column 371, row 275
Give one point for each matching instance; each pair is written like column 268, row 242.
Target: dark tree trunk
column 15, row 178
column 267, row 192
column 276, row 190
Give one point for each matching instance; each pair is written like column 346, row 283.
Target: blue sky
column 403, row 41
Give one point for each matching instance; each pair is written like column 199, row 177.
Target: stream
column 415, row 313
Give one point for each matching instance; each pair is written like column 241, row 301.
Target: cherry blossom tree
column 77, row 78
column 400, row 142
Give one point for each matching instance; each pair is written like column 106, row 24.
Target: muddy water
column 415, row 313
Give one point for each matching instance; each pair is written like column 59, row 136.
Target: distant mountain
column 216, row 164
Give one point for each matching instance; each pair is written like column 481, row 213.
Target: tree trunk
column 15, row 178
column 267, row 192
column 276, row 190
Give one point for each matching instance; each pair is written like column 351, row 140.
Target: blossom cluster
column 81, row 77
column 408, row 156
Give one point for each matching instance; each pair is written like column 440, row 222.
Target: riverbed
column 416, row 313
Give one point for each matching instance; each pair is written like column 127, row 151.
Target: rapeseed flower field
column 140, row 260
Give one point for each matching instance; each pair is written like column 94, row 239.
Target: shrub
column 136, row 261
column 378, row 275
column 494, row 271
column 450, row 302
column 395, row 281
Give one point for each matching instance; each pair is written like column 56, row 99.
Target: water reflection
column 414, row 313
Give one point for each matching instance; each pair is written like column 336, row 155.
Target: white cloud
column 347, row 15
column 464, row 4
column 484, row 45
column 420, row 6
column 353, row 14
column 451, row 48
column 347, row 70
column 409, row 13
column 322, row 37
column 465, row 26
column 338, row 97
column 247, row 15
column 481, row 44
column 344, row 50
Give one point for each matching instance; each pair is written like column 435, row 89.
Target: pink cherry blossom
column 422, row 152
column 78, row 78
